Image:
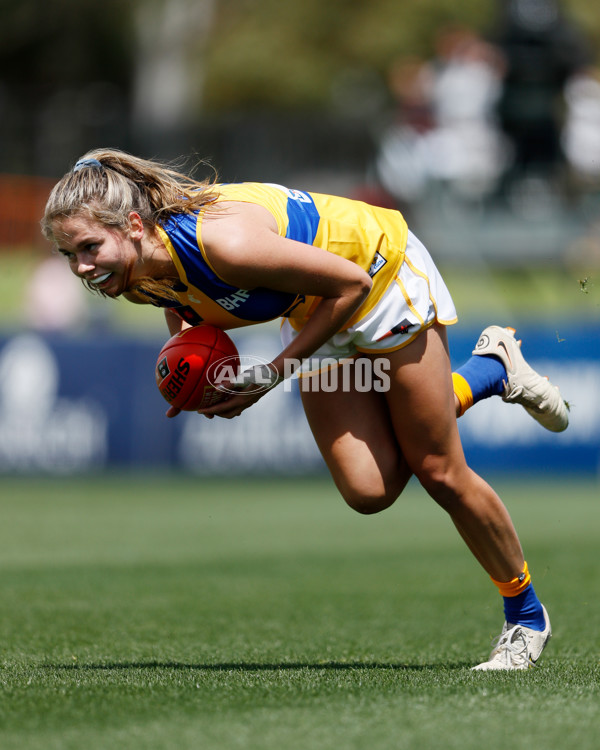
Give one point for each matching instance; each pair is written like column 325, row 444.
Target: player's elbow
column 362, row 286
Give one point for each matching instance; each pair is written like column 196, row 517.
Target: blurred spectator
column 55, row 301
column 445, row 130
column 402, row 161
column 543, row 49
column 581, row 133
column 466, row 146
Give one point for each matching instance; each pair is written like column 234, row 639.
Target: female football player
column 349, row 280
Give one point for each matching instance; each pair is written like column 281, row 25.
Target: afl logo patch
column 377, row 264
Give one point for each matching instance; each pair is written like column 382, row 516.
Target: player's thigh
column 421, row 405
column 355, row 436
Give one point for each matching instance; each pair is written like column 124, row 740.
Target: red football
column 191, row 363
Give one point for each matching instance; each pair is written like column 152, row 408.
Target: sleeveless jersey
column 374, row 238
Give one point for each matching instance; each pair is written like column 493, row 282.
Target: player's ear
column 136, row 226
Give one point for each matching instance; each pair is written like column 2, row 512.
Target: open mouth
column 99, row 280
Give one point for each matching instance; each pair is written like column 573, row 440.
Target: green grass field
column 181, row 613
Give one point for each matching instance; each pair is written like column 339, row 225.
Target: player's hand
column 251, row 385
column 235, row 404
column 173, row 411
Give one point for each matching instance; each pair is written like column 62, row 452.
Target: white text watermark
column 325, row 374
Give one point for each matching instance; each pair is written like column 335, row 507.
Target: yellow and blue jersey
column 374, row 238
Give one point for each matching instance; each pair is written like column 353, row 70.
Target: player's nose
column 85, row 266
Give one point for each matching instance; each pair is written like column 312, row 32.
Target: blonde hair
column 116, row 183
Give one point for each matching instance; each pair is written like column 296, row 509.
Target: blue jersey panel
column 259, row 304
column 303, row 217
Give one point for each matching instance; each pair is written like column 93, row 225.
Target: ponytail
column 108, row 184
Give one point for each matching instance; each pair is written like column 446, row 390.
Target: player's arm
column 245, row 249
column 175, row 324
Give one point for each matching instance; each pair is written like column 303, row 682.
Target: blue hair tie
column 82, row 163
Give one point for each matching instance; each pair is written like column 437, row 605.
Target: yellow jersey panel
column 373, row 238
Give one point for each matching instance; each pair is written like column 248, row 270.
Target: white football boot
column 517, row 647
column 523, row 385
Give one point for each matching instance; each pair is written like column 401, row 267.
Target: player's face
column 106, row 258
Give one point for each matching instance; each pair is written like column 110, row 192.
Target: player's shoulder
column 252, row 192
column 235, row 216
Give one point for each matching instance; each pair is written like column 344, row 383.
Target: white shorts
column 416, row 298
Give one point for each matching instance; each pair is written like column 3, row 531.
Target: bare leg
column 373, row 442
column 422, row 409
column 354, row 433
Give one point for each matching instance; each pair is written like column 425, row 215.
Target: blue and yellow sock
column 480, row 377
column 521, row 605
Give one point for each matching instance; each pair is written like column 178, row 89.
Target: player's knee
column 368, row 504
column 441, row 479
column 373, row 497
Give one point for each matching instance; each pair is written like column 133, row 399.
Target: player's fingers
column 231, row 407
column 211, row 415
column 227, row 386
column 173, row 411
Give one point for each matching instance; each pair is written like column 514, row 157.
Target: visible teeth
column 100, row 279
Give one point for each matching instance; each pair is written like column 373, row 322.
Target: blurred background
column 479, row 120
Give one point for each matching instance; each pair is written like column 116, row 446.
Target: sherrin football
column 191, row 362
